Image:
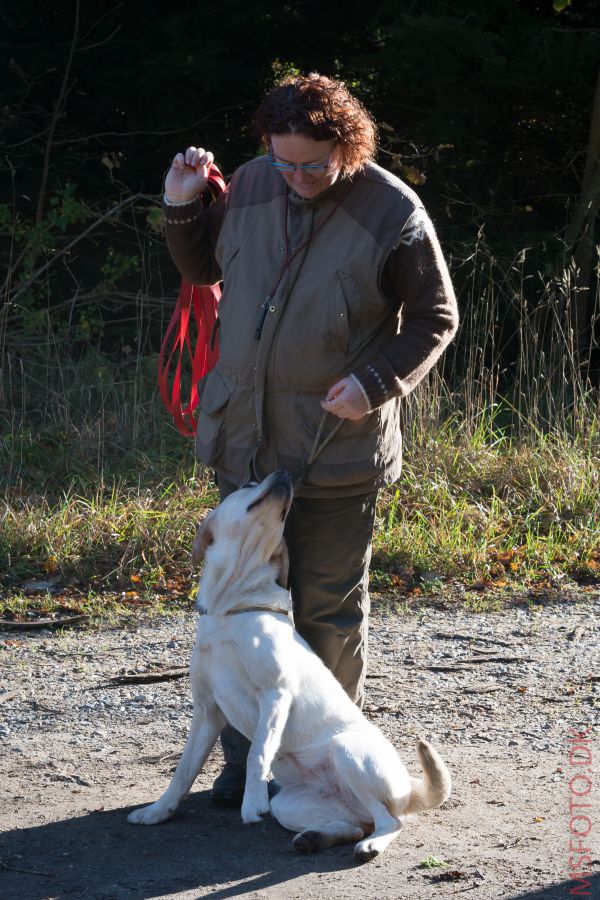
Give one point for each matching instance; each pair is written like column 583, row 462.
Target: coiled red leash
column 197, row 305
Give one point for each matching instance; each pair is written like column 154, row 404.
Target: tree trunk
column 579, row 238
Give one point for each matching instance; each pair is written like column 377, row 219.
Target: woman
column 336, row 302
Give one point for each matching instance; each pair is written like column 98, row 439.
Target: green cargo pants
column 329, row 543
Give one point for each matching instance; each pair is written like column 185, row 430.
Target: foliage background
column 484, row 107
column 487, row 109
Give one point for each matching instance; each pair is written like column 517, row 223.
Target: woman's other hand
column 187, row 177
column 346, row 400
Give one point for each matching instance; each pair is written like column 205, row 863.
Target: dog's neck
column 220, row 593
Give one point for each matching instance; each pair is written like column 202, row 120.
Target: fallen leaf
column 8, row 696
column 451, row 875
column 51, row 565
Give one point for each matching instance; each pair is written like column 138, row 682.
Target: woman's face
column 300, row 149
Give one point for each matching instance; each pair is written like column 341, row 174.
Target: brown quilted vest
column 260, row 407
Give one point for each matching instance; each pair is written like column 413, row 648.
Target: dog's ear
column 281, row 560
column 202, row 539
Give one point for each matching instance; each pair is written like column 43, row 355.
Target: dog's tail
column 435, row 786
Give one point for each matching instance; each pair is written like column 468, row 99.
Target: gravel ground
column 500, row 694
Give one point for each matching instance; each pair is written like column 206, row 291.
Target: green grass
column 502, row 515
column 114, row 532
column 506, row 512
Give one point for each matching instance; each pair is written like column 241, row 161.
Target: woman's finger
column 189, row 155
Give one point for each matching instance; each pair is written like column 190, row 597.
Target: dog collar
column 235, row 612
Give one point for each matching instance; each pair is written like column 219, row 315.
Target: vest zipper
column 262, row 315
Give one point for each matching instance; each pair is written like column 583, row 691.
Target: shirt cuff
column 378, row 382
column 363, row 392
column 182, row 213
column 179, row 203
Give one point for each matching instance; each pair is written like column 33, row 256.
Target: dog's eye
column 248, row 484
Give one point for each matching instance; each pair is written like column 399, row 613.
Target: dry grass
column 500, row 483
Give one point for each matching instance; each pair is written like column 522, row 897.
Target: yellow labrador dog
column 340, row 779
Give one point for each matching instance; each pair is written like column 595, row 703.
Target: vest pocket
column 356, row 439
column 229, row 254
column 364, row 311
column 214, row 397
column 352, row 457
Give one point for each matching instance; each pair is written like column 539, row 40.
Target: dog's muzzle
column 278, row 485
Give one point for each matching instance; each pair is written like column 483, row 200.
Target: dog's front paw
column 150, row 815
column 255, row 805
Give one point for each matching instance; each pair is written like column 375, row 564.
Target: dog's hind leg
column 327, row 834
column 375, row 777
column 387, row 828
column 320, row 821
column 205, row 729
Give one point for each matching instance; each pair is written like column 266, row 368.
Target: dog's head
column 245, row 532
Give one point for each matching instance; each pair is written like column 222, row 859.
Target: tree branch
column 20, row 290
column 62, row 98
column 586, row 203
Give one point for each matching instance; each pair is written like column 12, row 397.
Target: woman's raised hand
column 187, row 177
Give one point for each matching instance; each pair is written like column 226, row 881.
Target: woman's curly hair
column 323, row 109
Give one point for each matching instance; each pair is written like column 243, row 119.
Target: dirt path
column 500, row 694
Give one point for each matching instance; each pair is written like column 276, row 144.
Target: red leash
column 198, row 305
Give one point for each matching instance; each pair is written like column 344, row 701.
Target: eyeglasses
column 290, row 168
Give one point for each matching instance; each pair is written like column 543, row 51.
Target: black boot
column 228, row 789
